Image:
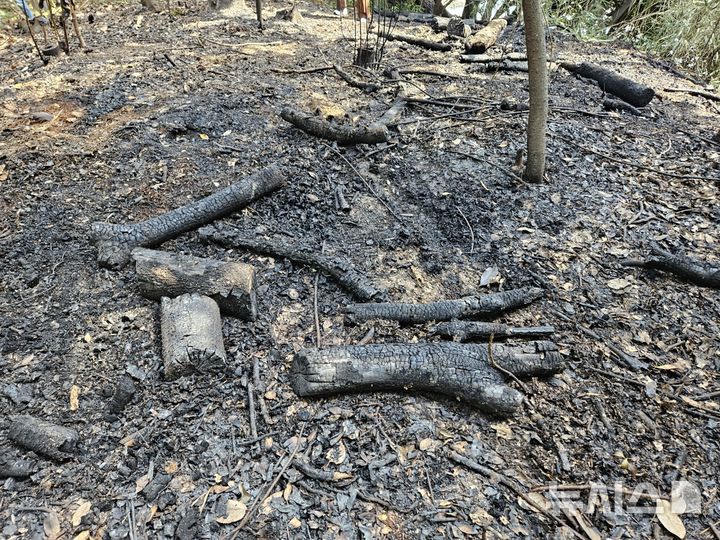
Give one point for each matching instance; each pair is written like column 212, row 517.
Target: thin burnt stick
column 115, row 242
column 470, row 306
column 694, row 271
column 345, row 76
column 338, row 269
column 469, row 330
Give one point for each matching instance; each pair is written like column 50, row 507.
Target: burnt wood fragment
column 230, row 284
column 56, row 442
column 124, row 392
column 694, row 271
column 635, row 94
column 16, row 469
column 352, row 81
column 610, row 104
column 338, row 269
column 486, row 37
column 462, row 371
column 342, row 134
column 115, row 242
column 488, row 305
column 418, row 42
column 469, row 330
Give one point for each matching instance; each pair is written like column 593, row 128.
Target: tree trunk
column 115, row 242
column 537, row 77
column 230, row 284
column 192, row 338
column 444, row 310
column 462, row 371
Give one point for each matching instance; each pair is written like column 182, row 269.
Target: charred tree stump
column 465, row 372
column 485, row 38
column 115, row 242
column 344, row 135
column 697, row 272
column 230, row 284
column 192, row 337
column 470, row 306
column 635, row 94
column 469, row 330
column 339, row 270
column 56, row 442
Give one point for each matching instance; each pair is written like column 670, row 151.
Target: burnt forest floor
column 164, row 111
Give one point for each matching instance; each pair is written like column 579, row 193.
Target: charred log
column 465, row 372
column 115, row 242
column 344, row 135
column 485, row 38
column 16, row 469
column 192, row 337
column 230, row 284
column 338, row 269
column 56, row 442
column 493, row 58
column 694, row 271
column 635, row 94
column 440, row 24
column 469, row 330
column 418, row 42
column 470, row 306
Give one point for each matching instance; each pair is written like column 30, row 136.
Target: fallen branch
column 693, row 92
column 697, row 272
column 634, row 93
column 470, row 306
column 458, row 370
column 56, row 442
column 424, row 43
column 192, row 338
column 338, row 269
column 610, row 104
column 344, row 135
column 344, row 75
column 115, row 242
column 491, row 58
column 230, row 284
column 468, row 330
column 486, row 37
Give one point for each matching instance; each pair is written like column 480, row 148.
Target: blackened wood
column 459, row 370
column 470, row 306
column 440, row 24
column 344, row 135
column 418, row 42
column 635, row 94
column 457, row 27
column 344, row 75
column 187, row 527
column 230, row 284
column 694, row 271
column 16, row 469
column 694, row 92
column 124, row 392
column 610, row 104
column 42, row 437
column 192, row 337
column 486, row 37
column 469, row 330
column 156, row 486
column 338, row 269
column 115, row 242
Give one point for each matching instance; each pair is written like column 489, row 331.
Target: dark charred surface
column 134, row 135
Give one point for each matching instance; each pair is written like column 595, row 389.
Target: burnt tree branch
column 343, row 135
column 635, row 94
column 463, row 371
column 697, row 272
column 115, row 242
column 469, row 330
column 470, row 306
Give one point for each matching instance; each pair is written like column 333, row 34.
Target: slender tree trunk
column 537, row 75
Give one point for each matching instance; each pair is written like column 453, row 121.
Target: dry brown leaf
column 74, row 397
column 51, row 525
column 82, row 511
column 295, row 523
column 141, row 482
column 82, row 535
column 425, row 444
column 672, row 523
column 479, row 516
column 236, row 510
column 171, row 467
column 337, row 476
column 618, row 284
column 287, row 492
column 466, row 529
column 502, row 430
column 337, row 455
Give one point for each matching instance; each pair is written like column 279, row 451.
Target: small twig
column 260, row 389
column 693, row 92
column 629, row 361
column 366, row 339
column 251, row 408
column 472, row 234
column 302, row 71
column 501, row 369
column 714, row 530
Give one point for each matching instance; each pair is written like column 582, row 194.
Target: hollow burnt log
column 343, row 135
column 45, row 438
column 459, row 370
column 470, row 306
column 486, row 37
column 338, row 269
column 469, row 330
column 192, row 338
column 230, row 284
column 694, row 271
column 635, row 94
column 115, row 242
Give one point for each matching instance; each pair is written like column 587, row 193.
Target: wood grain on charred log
column 459, row 370
column 486, row 37
column 469, row 330
column 115, row 242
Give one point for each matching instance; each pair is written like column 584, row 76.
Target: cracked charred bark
column 115, row 242
column 445, row 310
column 468, row 330
column 697, row 272
column 459, row 370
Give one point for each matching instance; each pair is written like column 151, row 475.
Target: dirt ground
column 165, row 110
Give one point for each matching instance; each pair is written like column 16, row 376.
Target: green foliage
column 584, row 18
